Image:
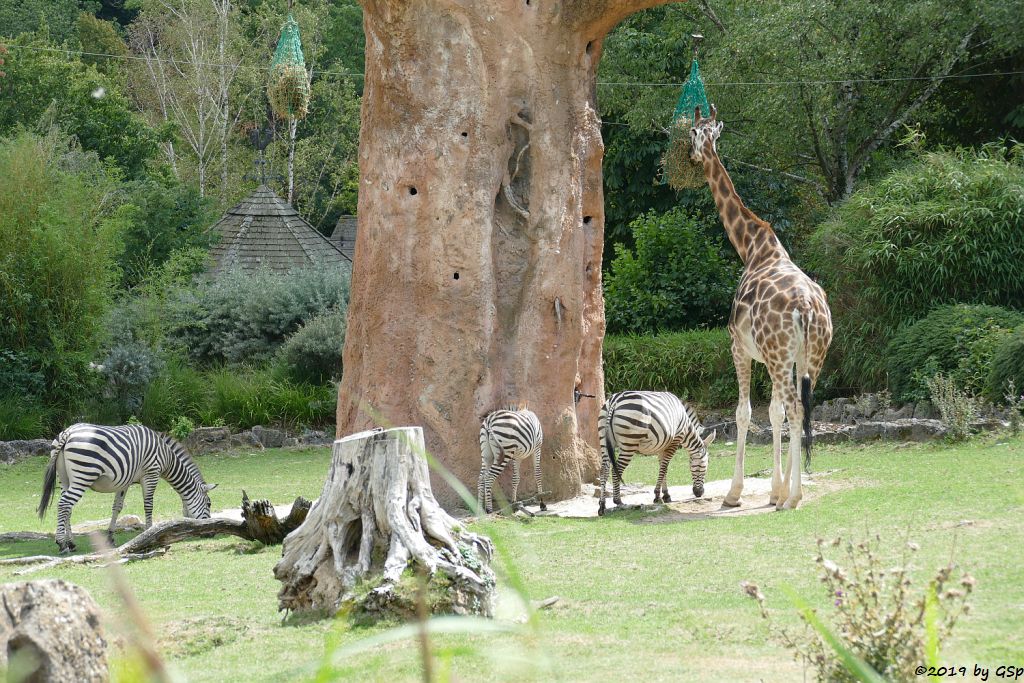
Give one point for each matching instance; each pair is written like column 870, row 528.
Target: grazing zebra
column 109, row 460
column 652, row 423
column 508, row 435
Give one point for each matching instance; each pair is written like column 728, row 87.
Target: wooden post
column 376, row 517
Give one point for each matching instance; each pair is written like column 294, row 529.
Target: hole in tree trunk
column 590, row 47
column 455, row 276
column 465, row 134
column 586, row 220
column 412, row 190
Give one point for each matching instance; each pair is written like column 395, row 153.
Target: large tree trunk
column 477, row 280
column 377, row 515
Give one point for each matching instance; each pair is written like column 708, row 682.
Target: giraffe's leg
column 515, row 480
column 742, row 362
column 118, row 504
column 777, row 416
column 790, row 497
column 536, row 473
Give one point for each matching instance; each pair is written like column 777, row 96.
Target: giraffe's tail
column 803, row 319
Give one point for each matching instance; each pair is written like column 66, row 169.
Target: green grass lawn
column 639, row 601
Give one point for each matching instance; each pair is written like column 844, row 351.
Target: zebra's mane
column 516, row 407
column 179, row 451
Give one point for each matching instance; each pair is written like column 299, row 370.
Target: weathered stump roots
column 377, row 516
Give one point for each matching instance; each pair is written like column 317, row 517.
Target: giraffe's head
column 703, row 135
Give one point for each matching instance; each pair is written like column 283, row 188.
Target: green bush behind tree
column 676, row 277
column 958, row 341
column 948, row 228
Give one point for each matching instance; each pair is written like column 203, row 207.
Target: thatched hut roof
column 264, row 231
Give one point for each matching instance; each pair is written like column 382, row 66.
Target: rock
column 57, row 624
column 924, row 410
column 903, row 413
column 268, row 438
column 16, row 451
column 206, row 439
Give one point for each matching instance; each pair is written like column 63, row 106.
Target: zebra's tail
column 50, row 478
column 609, row 447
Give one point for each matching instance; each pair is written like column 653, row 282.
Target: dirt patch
column 190, row 637
column 684, row 506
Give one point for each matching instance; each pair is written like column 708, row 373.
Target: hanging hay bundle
column 679, row 170
column 288, row 89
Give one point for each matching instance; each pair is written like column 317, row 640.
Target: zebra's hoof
column 543, row 506
column 657, row 499
column 665, row 498
column 600, row 511
column 617, row 501
column 110, row 540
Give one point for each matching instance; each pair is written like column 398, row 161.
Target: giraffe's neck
column 753, row 238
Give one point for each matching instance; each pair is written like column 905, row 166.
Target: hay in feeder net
column 288, row 89
column 678, row 169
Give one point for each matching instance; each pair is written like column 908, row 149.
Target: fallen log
column 259, row 523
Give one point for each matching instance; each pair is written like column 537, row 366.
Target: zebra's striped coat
column 508, row 435
column 650, row 423
column 109, row 460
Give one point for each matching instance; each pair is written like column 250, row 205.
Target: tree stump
column 375, row 520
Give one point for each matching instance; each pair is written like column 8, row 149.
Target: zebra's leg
column 68, row 498
column 118, row 504
column 742, row 362
column 603, row 477
column 480, row 483
column 536, row 473
column 149, row 482
column 617, row 480
column 515, row 480
column 663, row 475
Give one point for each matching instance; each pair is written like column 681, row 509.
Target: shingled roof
column 264, row 231
column 344, row 235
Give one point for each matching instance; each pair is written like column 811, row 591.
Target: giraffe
column 779, row 317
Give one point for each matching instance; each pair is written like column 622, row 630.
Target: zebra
column 652, row 423
column 508, row 435
column 109, row 460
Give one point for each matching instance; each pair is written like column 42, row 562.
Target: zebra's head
column 197, row 504
column 699, row 461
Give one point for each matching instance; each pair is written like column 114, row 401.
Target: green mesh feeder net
column 288, row 89
column 678, row 170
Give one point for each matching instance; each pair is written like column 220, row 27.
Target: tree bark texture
column 376, row 517
column 477, row 278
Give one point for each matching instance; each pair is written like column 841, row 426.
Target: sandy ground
column 684, row 505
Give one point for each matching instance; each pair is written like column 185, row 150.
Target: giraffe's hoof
column 773, row 501
column 731, row 503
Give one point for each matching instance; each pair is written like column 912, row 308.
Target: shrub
column 959, row 341
column 878, row 618
column 956, row 407
column 245, row 317
column 19, row 375
column 22, row 418
column 127, row 370
column 946, row 229
column 1007, row 367
column 696, row 366
column 238, row 397
column 60, row 236
column 676, row 278
column 313, row 353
